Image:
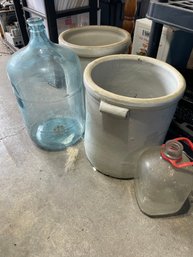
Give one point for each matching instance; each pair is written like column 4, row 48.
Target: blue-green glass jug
column 47, row 82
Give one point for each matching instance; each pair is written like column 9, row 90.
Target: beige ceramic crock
column 91, row 42
column 130, row 102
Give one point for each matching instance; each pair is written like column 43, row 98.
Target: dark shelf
column 177, row 13
column 69, row 12
column 51, row 15
column 27, row 9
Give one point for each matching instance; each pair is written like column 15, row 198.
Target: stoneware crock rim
column 96, row 51
column 138, row 103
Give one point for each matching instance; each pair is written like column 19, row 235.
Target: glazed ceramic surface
column 130, row 102
column 91, row 42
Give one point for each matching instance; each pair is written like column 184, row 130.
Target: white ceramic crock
column 91, row 42
column 130, row 102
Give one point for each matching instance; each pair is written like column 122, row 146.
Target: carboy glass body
column 162, row 189
column 47, row 82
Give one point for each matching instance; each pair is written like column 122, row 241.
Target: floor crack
column 12, row 135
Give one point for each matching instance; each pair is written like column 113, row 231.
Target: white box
column 60, row 5
column 72, row 21
column 141, row 39
column 15, row 41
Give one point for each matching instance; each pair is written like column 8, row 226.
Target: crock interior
column 93, row 37
column 134, row 78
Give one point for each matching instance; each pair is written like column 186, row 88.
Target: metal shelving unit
column 51, row 15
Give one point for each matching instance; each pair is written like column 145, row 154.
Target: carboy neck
column 37, row 31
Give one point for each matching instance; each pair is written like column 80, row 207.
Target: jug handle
column 113, row 110
column 175, row 162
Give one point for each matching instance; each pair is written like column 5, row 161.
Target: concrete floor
column 50, row 210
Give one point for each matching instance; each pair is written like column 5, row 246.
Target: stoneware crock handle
column 113, row 110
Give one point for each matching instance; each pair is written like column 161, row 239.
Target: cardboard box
column 141, row 39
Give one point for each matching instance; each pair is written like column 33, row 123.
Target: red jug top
column 172, row 151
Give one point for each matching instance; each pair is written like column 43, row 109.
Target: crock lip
column 100, row 93
column 92, row 49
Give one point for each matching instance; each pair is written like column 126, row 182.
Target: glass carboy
column 47, row 81
column 164, row 178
